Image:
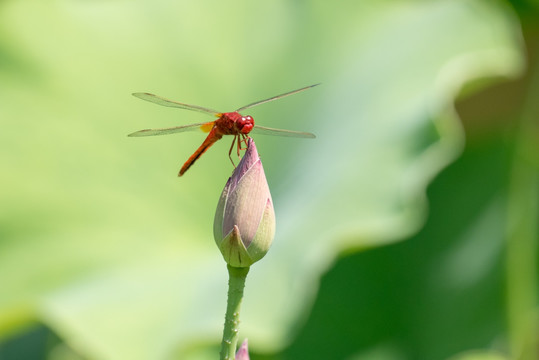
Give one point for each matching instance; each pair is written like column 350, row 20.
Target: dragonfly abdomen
column 212, row 137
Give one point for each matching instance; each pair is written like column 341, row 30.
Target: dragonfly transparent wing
column 205, row 127
column 170, row 103
column 261, row 130
column 275, row 97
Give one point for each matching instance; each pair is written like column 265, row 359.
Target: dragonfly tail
column 210, row 140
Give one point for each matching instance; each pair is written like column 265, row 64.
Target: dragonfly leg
column 244, row 141
column 238, row 147
column 230, row 151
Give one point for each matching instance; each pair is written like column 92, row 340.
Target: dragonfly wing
column 205, row 127
column 280, row 132
column 275, row 97
column 170, row 103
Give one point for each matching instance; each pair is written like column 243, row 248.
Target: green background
column 406, row 230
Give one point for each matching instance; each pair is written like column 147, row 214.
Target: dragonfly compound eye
column 246, row 124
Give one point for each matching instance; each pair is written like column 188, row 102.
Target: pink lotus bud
column 244, row 224
column 243, row 351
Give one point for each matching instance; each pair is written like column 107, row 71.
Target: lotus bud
column 243, row 351
column 244, row 224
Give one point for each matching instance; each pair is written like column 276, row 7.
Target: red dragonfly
column 227, row 123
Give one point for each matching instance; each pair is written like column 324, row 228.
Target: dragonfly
column 227, row 123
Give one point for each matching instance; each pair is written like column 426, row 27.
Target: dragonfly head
column 245, row 124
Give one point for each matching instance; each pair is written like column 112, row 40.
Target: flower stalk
column 236, row 284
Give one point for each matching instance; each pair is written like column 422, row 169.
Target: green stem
column 523, row 212
column 236, row 283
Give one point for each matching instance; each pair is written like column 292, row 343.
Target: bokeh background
column 406, row 230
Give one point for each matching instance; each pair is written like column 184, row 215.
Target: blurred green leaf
column 100, row 240
column 436, row 293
